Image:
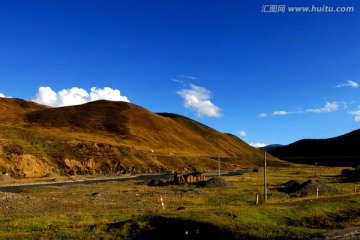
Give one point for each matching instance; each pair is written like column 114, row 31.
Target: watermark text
column 276, row 8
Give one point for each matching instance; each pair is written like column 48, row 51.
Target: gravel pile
column 292, row 184
column 214, row 182
column 309, row 188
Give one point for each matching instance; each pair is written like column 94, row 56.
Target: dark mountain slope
column 94, row 117
column 340, row 151
column 271, row 147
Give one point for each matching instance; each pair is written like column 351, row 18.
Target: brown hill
column 12, row 108
column 112, row 137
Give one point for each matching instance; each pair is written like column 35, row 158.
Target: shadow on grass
column 158, row 227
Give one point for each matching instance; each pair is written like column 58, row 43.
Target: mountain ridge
column 112, row 137
column 341, row 150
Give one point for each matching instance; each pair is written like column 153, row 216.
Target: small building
column 188, row 178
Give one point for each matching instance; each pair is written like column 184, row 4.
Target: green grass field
column 132, row 210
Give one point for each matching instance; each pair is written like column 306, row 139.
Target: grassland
column 110, row 137
column 132, row 209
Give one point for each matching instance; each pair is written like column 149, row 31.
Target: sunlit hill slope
column 112, row 137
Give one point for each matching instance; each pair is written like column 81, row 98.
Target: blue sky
column 237, row 66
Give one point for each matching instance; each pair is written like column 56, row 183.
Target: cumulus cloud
column 198, row 99
column 258, row 145
column 349, row 83
column 45, row 95
column 242, row 133
column 76, row 96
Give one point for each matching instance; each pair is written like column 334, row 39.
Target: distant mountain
column 338, row 151
column 112, row 137
column 271, row 147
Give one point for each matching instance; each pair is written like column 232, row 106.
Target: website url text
column 312, row 9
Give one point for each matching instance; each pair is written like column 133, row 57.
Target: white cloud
column 357, row 115
column 177, row 80
column 198, row 99
column 280, row 113
column 329, row 107
column 106, row 94
column 262, row 115
column 242, row 133
column 258, row 145
column 76, row 96
column 276, row 113
column 349, row 83
column 46, row 95
column 3, row 96
column 189, row 77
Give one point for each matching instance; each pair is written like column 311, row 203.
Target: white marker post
column 162, row 202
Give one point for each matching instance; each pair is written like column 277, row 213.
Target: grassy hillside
column 112, row 137
column 338, row 151
column 11, row 109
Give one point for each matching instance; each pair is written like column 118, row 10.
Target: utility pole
column 219, row 165
column 316, row 168
column 265, row 188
